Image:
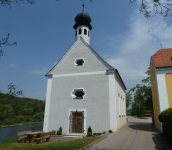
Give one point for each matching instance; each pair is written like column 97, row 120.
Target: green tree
column 142, row 96
column 129, row 99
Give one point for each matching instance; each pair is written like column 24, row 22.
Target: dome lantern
column 83, row 26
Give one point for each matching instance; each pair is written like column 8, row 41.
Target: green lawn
column 58, row 145
column 140, row 117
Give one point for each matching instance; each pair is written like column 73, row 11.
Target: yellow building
column 161, row 82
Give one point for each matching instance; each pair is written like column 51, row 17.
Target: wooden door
column 77, row 122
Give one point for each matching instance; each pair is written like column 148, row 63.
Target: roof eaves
column 119, row 76
column 61, row 58
column 95, row 52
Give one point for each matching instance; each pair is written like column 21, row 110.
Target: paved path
column 136, row 135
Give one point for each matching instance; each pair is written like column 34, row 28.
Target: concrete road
column 136, row 135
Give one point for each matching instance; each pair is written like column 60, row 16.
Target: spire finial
column 83, row 5
column 83, row 8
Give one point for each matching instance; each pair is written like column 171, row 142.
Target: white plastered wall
column 47, row 104
column 120, row 103
column 112, row 101
column 161, row 87
column 85, row 37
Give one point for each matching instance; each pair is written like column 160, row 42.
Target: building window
column 78, row 94
column 85, row 31
column 88, row 33
column 79, row 62
column 124, row 107
column 119, row 107
column 80, row 31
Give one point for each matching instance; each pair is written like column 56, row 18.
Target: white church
column 84, row 90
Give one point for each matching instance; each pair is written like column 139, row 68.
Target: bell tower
column 83, row 26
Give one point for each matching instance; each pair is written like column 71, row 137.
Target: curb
column 84, row 148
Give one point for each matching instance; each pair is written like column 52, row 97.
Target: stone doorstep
column 75, row 135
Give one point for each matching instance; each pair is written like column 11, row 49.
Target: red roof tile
column 163, row 58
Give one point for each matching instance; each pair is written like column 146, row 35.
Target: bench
column 21, row 138
column 46, row 136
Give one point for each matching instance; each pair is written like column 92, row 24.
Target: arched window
column 85, row 31
column 76, row 33
column 80, row 31
column 88, row 33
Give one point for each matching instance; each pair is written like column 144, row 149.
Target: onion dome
column 82, row 19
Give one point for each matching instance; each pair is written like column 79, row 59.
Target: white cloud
column 134, row 48
column 13, row 66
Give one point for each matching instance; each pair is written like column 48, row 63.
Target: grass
column 140, row 117
column 58, row 145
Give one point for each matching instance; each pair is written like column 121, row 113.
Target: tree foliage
column 5, row 41
column 14, row 109
column 129, row 99
column 142, row 96
column 162, row 7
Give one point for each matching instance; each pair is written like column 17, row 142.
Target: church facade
column 84, row 90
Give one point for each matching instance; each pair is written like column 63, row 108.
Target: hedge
column 166, row 117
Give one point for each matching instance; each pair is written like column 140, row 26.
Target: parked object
column 46, row 136
column 21, row 138
column 147, row 115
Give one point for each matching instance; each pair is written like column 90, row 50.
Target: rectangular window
column 119, row 101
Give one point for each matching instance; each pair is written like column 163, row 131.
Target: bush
column 53, row 132
column 166, row 118
column 110, row 131
column 104, row 132
column 89, row 129
column 60, row 128
column 59, row 132
column 89, row 134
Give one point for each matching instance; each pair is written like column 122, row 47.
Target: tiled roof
column 163, row 58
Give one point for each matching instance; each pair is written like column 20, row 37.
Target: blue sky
column 44, row 32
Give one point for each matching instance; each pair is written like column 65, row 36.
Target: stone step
column 75, row 134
